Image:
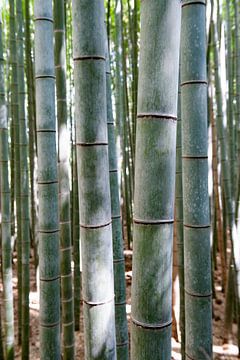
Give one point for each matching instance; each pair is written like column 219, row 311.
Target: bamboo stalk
column 47, row 183
column 93, row 179
column 179, row 223
column 17, row 184
column 118, row 255
column 155, row 180
column 67, row 301
column 6, row 258
column 24, row 189
column 197, row 252
column 219, row 222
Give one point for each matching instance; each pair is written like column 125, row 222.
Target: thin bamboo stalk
column 219, row 222
column 67, row 300
column 6, row 258
column 17, row 184
column 118, row 255
column 32, row 128
column 24, row 189
column 179, row 223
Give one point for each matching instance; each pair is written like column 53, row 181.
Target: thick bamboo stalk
column 118, row 255
column 6, row 258
column 24, row 190
column 93, row 179
column 155, row 180
column 67, row 300
column 197, row 253
column 47, row 183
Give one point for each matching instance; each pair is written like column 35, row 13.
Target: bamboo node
column 153, row 222
column 98, row 303
column 43, row 18
column 157, row 116
column 152, row 326
column 97, row 226
column 189, row 82
column 194, row 3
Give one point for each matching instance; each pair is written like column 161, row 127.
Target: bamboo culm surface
column 47, row 183
column 155, row 180
column 197, row 253
column 93, row 179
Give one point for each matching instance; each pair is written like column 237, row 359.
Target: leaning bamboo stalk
column 155, row 180
column 197, row 252
column 6, row 268
column 47, row 183
column 93, row 179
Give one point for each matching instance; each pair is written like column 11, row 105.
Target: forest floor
column 221, row 351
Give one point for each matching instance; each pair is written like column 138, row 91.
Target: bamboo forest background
column 120, row 179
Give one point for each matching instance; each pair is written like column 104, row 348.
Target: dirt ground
column 221, row 351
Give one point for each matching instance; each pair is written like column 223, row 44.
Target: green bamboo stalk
column 118, row 50
column 118, row 255
column 155, row 180
column 230, row 97
column 76, row 243
column 218, row 213
column 32, row 128
column 17, row 183
column 47, row 183
column 93, row 179
column 67, row 300
column 135, row 67
column 74, row 198
column 179, row 223
column 24, row 189
column 6, row 258
column 121, row 114
column 197, row 252
column 226, row 177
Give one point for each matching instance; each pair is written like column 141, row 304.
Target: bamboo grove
column 119, row 158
